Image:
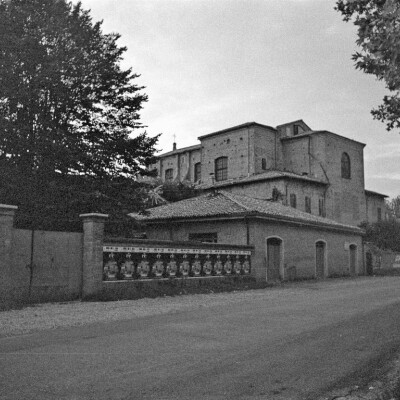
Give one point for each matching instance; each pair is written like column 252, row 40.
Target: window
column 169, row 174
column 263, row 164
column 206, row 237
column 379, row 214
column 293, row 200
column 321, row 207
column 346, row 168
column 308, row 204
column 221, row 169
column 197, row 172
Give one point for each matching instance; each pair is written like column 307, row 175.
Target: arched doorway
column 320, row 259
column 274, row 258
column 353, row 259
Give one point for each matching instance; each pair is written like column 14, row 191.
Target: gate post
column 92, row 271
column 7, row 214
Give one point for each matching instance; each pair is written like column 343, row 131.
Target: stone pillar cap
column 8, row 207
column 93, row 216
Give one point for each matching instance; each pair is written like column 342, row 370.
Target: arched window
column 221, row 169
column 169, row 174
column 346, row 168
column 197, row 172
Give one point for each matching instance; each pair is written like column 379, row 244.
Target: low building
column 288, row 243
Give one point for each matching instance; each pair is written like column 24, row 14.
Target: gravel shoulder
column 56, row 315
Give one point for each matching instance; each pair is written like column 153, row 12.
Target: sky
column 208, row 65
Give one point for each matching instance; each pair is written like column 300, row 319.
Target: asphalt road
column 294, row 342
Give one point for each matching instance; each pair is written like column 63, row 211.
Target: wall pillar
column 7, row 214
column 92, row 272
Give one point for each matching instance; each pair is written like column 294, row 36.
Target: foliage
column 176, row 191
column 66, row 105
column 57, row 203
column 393, row 206
column 277, row 195
column 378, row 23
column 384, row 234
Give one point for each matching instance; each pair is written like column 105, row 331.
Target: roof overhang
column 259, row 216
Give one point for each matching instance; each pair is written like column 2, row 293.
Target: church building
column 296, row 195
column 318, row 172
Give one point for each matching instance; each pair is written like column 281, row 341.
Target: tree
column 378, row 23
column 393, row 206
column 383, row 234
column 66, row 105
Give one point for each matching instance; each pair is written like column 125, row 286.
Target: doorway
column 320, row 257
column 353, row 259
column 274, row 258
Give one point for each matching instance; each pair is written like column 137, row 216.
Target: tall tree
column 66, row 105
column 378, row 23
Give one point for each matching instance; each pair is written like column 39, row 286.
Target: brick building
column 288, row 243
column 318, row 172
column 316, row 182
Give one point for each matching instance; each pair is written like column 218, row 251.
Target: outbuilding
column 288, row 243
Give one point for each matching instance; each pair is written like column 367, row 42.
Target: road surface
column 293, row 342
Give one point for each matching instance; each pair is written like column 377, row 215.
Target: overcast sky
column 212, row 64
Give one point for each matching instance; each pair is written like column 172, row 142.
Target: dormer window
column 221, row 169
column 346, row 167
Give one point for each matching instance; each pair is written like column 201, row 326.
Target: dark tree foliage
column 66, row 105
column 56, row 204
column 378, row 23
column 69, row 117
column 176, row 191
column 384, row 234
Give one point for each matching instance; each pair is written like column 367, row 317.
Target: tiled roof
column 223, row 204
column 371, row 193
column 309, row 133
column 269, row 175
column 181, row 150
column 234, row 128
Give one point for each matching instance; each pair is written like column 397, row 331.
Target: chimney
column 174, row 144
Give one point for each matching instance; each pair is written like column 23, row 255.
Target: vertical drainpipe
column 309, row 155
column 276, row 139
column 246, row 221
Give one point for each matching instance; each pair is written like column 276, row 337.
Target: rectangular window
column 197, row 172
column 169, row 174
column 293, row 200
column 221, row 169
column 321, row 207
column 263, row 164
column 308, row 204
column 206, row 237
column 379, row 214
